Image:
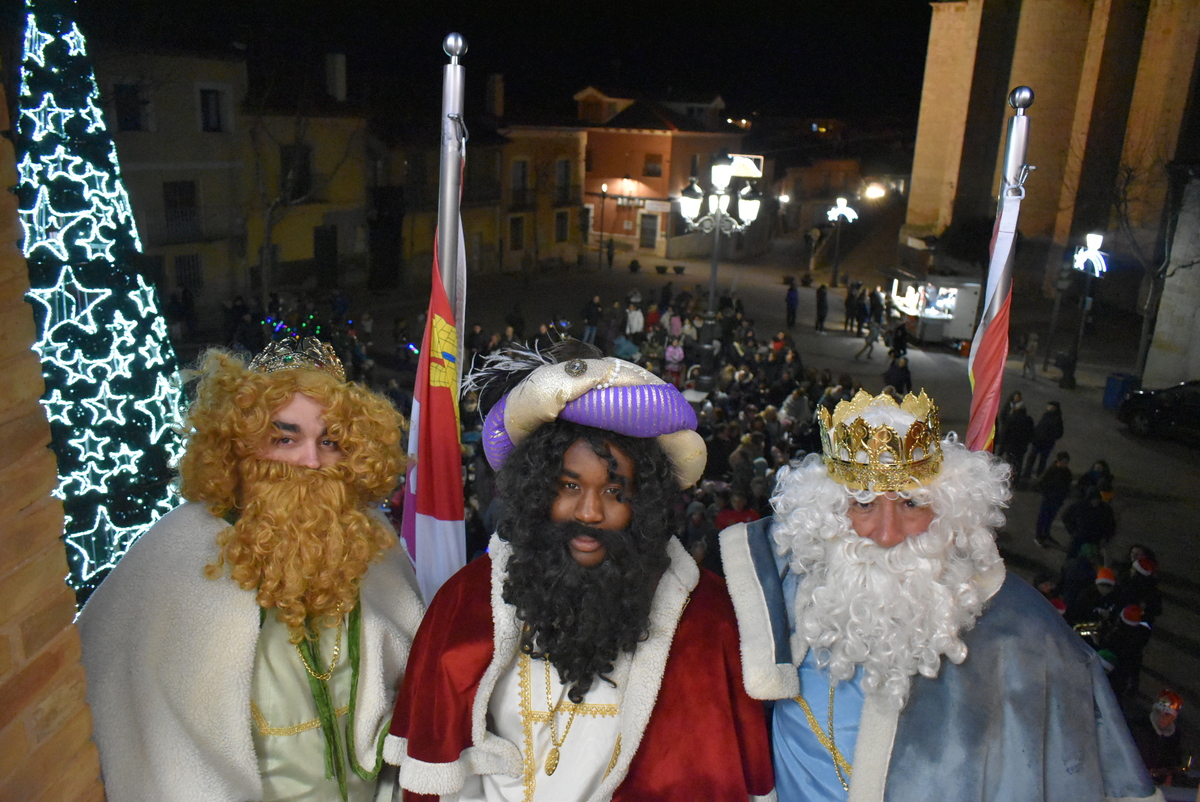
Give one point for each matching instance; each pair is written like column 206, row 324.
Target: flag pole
column 433, row 528
column 450, row 184
column 989, row 349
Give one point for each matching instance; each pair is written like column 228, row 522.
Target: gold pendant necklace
column 840, row 764
column 337, row 650
column 556, row 742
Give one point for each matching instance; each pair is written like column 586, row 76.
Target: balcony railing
column 200, row 224
column 568, row 195
column 523, row 199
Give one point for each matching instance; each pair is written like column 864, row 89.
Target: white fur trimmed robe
column 169, row 656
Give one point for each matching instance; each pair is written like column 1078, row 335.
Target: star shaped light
column 36, row 41
column 48, row 117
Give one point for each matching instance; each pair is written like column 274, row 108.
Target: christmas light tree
column 110, row 370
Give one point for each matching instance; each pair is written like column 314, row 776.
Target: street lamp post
column 718, row 220
column 835, row 215
column 1090, row 261
column 600, row 231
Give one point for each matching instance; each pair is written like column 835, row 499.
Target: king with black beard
column 583, row 581
column 578, row 617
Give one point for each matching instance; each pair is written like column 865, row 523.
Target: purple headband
column 641, row 410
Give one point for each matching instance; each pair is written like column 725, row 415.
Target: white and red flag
column 433, row 528
column 989, row 349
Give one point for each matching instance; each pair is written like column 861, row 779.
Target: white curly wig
column 894, row 611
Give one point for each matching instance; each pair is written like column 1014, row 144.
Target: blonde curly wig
column 303, row 538
column 229, row 420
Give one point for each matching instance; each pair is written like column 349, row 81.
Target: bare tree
column 297, row 184
column 1129, row 201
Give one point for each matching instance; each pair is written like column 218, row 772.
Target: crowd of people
column 1111, row 600
column 736, row 478
column 586, row 643
column 761, row 412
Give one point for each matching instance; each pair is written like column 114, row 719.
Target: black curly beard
column 581, row 619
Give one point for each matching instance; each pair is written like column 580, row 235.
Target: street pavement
column 1157, row 482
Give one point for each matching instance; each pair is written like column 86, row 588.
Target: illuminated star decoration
column 112, row 392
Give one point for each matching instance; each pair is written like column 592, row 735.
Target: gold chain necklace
column 840, row 764
column 556, row 742
column 337, row 651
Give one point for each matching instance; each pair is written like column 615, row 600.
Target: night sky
column 795, row 57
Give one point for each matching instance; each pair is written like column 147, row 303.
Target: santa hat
column 1132, row 615
column 1105, row 576
column 1169, row 700
column 1059, row 605
column 1145, row 566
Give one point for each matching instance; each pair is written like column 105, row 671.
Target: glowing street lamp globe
column 749, row 202
column 722, row 173
column 842, row 210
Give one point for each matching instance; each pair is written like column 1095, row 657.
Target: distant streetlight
column 835, row 215
column 1091, row 262
column 718, row 220
column 600, row 231
column 874, row 191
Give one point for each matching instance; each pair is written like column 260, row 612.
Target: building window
column 295, row 171
column 188, row 272
column 520, row 175
column 652, row 166
column 562, row 183
column 131, row 111
column 587, row 160
column 520, row 183
column 211, row 112
column 516, row 233
column 562, row 225
column 181, row 211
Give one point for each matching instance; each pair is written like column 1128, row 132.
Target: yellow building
column 304, row 196
column 174, row 118
column 542, row 202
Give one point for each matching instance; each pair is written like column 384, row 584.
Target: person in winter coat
column 1046, row 433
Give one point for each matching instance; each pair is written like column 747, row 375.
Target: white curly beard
column 894, row 611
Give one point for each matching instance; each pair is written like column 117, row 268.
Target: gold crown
column 865, row 457
column 294, row 353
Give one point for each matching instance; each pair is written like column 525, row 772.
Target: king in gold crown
column 878, row 458
column 294, row 353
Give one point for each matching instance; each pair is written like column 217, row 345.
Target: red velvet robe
column 706, row 739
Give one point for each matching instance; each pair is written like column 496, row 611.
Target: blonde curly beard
column 304, row 540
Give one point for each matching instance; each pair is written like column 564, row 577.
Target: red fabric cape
column 706, row 738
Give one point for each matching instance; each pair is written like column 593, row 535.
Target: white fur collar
column 491, row 754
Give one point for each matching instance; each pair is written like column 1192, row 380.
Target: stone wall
column 1175, row 353
column 45, row 725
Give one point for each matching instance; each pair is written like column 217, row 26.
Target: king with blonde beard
column 906, row 664
column 249, row 645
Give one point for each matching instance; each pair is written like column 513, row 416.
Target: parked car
column 1169, row 411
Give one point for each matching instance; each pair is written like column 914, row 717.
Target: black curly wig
column 581, row 619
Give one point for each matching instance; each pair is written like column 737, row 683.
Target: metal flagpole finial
column 1020, row 98
column 454, row 45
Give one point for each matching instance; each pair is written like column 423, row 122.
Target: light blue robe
column 1028, row 716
